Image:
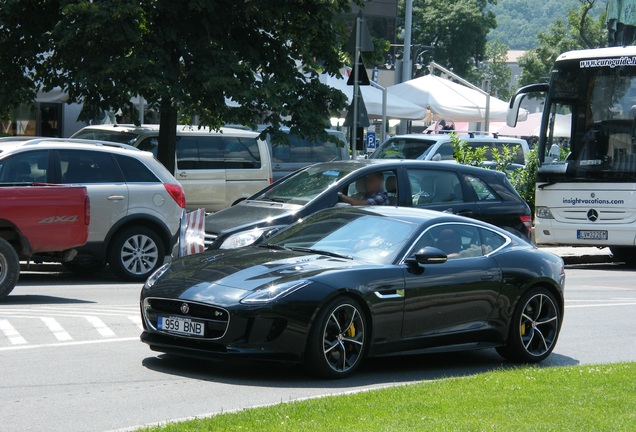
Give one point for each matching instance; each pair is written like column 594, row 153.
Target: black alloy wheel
column 338, row 338
column 534, row 328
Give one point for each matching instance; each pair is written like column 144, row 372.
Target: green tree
column 496, row 70
column 580, row 31
column 457, row 30
column 187, row 57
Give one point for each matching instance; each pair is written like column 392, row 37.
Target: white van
column 217, row 169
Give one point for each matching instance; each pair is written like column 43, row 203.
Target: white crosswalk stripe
column 56, row 328
column 11, row 333
column 100, row 326
column 35, row 326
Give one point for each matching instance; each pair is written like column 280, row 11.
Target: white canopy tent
column 450, row 100
column 396, row 107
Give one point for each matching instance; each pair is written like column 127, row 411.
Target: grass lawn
column 581, row 398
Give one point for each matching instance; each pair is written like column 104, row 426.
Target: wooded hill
column 519, row 21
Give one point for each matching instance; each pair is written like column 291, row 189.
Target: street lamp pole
column 407, row 73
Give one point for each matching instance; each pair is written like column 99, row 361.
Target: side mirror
column 517, row 98
column 428, row 255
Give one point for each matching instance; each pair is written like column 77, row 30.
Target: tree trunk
column 166, row 152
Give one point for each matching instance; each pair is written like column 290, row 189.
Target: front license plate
column 181, row 325
column 591, row 235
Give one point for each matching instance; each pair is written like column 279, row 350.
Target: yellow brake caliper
column 351, row 331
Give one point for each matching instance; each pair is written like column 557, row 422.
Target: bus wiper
column 321, row 252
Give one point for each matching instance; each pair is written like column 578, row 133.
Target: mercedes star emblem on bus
column 592, row 215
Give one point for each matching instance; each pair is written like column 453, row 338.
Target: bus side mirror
column 517, row 98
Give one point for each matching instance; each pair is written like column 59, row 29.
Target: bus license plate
column 591, row 235
column 181, row 325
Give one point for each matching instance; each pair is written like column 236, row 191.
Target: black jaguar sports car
column 347, row 283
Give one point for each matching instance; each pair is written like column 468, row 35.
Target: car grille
column 216, row 319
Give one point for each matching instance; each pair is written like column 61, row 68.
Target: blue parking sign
column 370, row 140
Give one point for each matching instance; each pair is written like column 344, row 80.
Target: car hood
column 251, row 215
column 226, row 277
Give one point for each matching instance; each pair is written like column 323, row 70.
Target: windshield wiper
column 321, row 252
column 272, row 246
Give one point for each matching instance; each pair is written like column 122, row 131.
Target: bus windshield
column 590, row 130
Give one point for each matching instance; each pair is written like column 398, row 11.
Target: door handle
column 465, row 213
column 116, row 197
column 487, row 277
column 389, row 294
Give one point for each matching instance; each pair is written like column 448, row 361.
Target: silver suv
column 136, row 204
column 439, row 147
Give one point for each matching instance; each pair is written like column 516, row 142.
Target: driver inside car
column 374, row 192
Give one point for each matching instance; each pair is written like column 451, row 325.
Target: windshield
column 306, row 184
column 402, row 148
column 591, row 124
column 103, row 135
column 360, row 236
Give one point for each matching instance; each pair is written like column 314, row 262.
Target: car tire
column 135, row 253
column 9, row 268
column 84, row 267
column 534, row 328
column 338, row 339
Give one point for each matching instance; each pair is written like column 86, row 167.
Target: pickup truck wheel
column 135, row 253
column 9, row 268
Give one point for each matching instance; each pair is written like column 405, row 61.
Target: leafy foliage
column 466, row 155
column 578, row 32
column 457, row 30
column 187, row 57
column 523, row 179
column 519, row 21
column 496, row 69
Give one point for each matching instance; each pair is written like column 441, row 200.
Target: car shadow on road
column 373, row 372
column 17, row 299
column 54, row 274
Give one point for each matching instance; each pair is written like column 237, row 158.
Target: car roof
column 447, row 137
column 67, row 143
column 412, row 163
column 181, row 129
column 414, row 215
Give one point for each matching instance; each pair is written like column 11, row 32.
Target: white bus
column 587, row 198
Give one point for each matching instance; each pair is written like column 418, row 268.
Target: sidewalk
column 580, row 255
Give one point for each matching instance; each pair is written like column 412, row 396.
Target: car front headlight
column 156, row 275
column 243, row 238
column 274, row 292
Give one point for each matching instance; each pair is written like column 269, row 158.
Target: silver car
column 136, row 204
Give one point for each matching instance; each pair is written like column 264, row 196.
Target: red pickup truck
column 39, row 219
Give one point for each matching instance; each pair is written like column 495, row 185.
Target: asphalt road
column 70, row 358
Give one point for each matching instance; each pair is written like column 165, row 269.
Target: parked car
column 436, row 147
column 298, row 152
column 217, row 169
column 136, row 203
column 476, row 192
column 350, row 283
column 37, row 218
